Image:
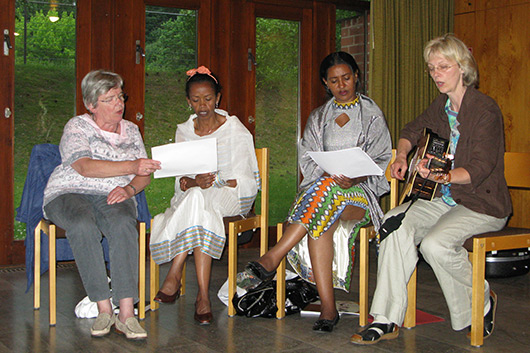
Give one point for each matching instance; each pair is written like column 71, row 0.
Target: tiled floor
column 172, row 328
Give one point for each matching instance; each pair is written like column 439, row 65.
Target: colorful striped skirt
column 317, row 208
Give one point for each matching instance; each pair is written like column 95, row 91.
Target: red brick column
column 353, row 41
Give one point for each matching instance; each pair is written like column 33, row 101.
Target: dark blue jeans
column 86, row 219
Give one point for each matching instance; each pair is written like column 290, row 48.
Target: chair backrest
column 262, row 155
column 394, row 190
column 517, row 169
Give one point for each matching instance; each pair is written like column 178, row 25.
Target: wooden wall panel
column 500, row 37
column 503, row 50
column 463, row 6
column 482, row 5
column 464, row 25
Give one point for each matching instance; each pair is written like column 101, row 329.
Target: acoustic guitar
column 436, row 146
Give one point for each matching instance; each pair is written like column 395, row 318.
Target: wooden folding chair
column 366, row 233
column 234, row 228
column 55, row 232
column 517, row 174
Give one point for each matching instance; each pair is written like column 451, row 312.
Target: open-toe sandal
column 254, row 275
column 376, row 332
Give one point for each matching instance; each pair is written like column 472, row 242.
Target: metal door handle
column 251, row 60
column 7, row 42
column 139, row 52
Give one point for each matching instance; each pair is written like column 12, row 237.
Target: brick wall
column 353, row 42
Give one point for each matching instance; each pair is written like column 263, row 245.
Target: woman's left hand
column 345, row 182
column 119, row 194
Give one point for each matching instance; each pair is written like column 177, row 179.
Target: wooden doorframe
column 315, row 43
column 11, row 251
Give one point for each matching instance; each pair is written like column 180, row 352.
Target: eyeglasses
column 122, row 97
column 442, row 68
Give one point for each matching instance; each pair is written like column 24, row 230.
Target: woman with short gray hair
column 91, row 194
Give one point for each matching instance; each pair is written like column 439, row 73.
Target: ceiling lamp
column 53, row 15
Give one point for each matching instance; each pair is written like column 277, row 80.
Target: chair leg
column 141, row 272
column 477, row 301
column 52, row 275
column 280, row 280
column 232, row 268
column 183, row 280
column 36, row 268
column 154, row 280
column 363, row 277
column 410, row 315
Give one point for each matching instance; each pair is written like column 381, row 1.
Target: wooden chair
column 55, row 232
column 366, row 233
column 517, row 174
column 234, row 228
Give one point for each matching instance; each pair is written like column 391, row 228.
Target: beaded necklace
column 349, row 105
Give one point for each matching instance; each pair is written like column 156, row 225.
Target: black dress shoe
column 254, row 276
column 324, row 325
column 164, row 298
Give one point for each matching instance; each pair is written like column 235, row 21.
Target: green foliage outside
column 44, row 102
column 277, row 57
column 171, row 40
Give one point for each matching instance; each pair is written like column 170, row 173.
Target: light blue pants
column 86, row 218
column 441, row 230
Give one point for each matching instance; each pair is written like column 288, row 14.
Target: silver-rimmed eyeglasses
column 440, row 68
column 113, row 99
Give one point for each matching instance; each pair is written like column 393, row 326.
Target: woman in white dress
column 194, row 220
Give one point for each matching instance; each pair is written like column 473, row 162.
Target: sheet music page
column 186, row 158
column 351, row 162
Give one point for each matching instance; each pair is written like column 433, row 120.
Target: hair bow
column 200, row 70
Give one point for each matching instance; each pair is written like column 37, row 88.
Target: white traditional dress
column 195, row 216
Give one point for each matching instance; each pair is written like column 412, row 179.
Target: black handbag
column 261, row 301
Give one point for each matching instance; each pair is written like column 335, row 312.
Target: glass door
column 277, row 108
column 170, row 50
column 45, row 52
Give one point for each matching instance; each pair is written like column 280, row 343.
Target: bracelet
column 132, row 187
column 447, row 179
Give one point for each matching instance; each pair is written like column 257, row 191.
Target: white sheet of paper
column 351, row 162
column 186, row 158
